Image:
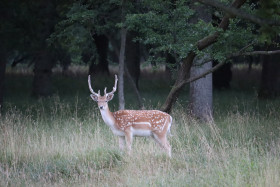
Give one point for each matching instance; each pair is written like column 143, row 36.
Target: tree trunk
column 121, row 70
column 183, row 74
column 201, row 98
column 270, row 83
column 2, row 78
column 131, row 81
column 170, row 65
column 135, row 89
column 102, row 65
column 42, row 84
column 45, row 58
column 132, row 57
column 201, row 91
column 222, row 77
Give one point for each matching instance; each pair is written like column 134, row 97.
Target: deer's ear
column 109, row 96
column 94, row 97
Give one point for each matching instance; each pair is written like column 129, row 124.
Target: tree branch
column 256, row 53
column 208, row 40
column 204, row 74
column 176, row 88
column 239, row 13
column 224, row 62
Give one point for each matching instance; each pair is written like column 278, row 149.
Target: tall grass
column 62, row 148
column 62, row 141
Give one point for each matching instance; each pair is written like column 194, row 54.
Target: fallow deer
column 129, row 123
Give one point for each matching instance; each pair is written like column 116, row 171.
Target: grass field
column 62, row 140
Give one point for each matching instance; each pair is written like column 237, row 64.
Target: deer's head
column 102, row 101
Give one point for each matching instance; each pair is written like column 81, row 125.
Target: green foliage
column 269, row 9
column 26, row 25
column 239, row 35
column 165, row 26
column 82, row 20
column 73, row 33
column 170, row 27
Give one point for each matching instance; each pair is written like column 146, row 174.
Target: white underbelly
column 141, row 132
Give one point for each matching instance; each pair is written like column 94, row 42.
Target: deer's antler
column 90, row 88
column 114, row 88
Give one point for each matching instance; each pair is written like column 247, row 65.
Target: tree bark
column 170, row 64
column 270, row 82
column 2, row 80
column 121, row 69
column 135, row 89
column 222, row 77
column 201, row 91
column 132, row 57
column 42, row 83
column 45, row 58
column 102, row 65
column 133, row 85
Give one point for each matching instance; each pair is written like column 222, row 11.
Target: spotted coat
column 154, row 119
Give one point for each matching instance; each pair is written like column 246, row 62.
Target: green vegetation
column 62, row 140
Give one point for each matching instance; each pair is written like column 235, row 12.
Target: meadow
column 62, row 140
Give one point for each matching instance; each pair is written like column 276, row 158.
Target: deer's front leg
column 128, row 139
column 121, row 142
column 163, row 142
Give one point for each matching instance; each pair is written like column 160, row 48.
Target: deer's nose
column 101, row 107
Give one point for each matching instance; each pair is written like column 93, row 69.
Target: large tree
column 44, row 17
column 10, row 37
column 201, row 91
column 169, row 29
column 132, row 57
column 270, row 80
column 101, row 65
column 201, row 97
column 21, row 32
column 101, row 23
column 2, row 76
column 25, row 27
column 5, row 18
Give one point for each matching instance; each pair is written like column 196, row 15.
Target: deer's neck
column 107, row 117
